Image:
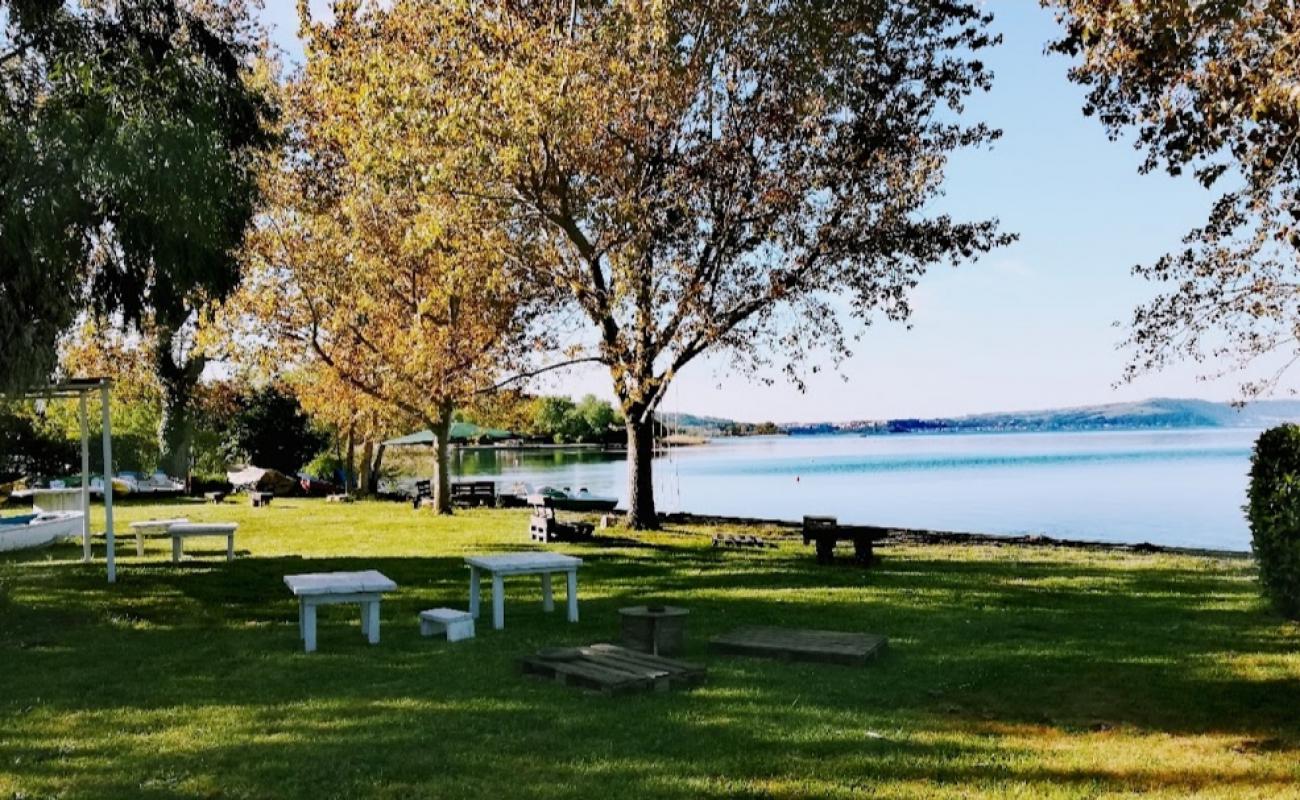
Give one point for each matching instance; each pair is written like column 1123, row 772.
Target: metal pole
column 85, row 482
column 108, row 484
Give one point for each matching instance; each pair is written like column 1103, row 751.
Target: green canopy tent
column 460, row 433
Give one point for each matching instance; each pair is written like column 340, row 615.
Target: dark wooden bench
column 544, row 527
column 423, row 491
column 826, row 532
column 474, row 493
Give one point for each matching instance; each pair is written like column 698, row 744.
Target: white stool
column 456, row 624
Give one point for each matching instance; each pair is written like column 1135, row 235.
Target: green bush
column 326, row 466
column 1274, row 513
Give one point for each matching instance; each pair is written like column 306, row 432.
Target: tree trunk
column 441, row 483
column 372, row 483
column 176, row 428
column 363, row 479
column 350, row 468
column 640, row 477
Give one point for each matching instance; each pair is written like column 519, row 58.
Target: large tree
column 1210, row 88
column 407, row 294
column 751, row 180
column 130, row 134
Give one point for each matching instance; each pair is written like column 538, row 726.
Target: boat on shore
column 38, row 530
column 564, row 499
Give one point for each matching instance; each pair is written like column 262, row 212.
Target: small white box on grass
column 454, row 623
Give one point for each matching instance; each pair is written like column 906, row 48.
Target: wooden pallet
column 795, row 644
column 611, row 669
column 721, row 540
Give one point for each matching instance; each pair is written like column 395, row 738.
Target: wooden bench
column 502, row 565
column 474, row 493
column 450, row 622
column 332, row 588
column 181, row 531
column 155, row 527
column 544, row 527
column 826, row 532
column 259, row 499
column 423, row 491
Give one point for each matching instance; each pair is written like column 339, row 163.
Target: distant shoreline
column 924, row 536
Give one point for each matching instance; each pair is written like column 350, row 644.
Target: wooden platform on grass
column 611, row 669
column 795, row 644
column 742, row 541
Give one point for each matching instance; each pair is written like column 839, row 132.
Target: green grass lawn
column 1012, row 672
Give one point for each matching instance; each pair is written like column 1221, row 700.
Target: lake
column 1182, row 488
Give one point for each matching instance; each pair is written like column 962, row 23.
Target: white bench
column 332, row 588
column 503, row 564
column 183, row 530
column 152, row 527
column 454, row 623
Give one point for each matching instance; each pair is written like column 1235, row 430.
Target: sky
column 1033, row 325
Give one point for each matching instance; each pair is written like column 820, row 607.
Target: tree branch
column 542, row 371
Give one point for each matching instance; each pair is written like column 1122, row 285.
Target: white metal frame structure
column 81, row 388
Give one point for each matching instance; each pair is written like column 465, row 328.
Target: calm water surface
column 1182, row 487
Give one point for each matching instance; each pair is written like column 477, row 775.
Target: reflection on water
column 1168, row 487
column 472, row 462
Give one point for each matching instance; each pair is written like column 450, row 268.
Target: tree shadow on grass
column 975, row 644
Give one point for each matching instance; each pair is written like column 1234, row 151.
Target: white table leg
column 498, row 602
column 571, row 578
column 139, row 544
column 176, row 549
column 473, row 592
column 548, row 599
column 230, row 547
column 309, row 626
column 372, row 629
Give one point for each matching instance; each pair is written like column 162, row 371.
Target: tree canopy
column 1210, row 89
column 408, row 294
column 721, row 177
column 129, row 139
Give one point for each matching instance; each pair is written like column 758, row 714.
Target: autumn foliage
column 691, row 177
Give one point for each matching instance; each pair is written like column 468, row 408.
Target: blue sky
column 1030, row 326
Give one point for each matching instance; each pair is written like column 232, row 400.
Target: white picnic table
column 152, row 526
column 331, row 588
column 183, row 530
column 499, row 565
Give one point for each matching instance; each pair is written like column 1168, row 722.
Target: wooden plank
column 616, row 662
column 609, row 668
column 659, row 662
column 586, row 675
column 837, row 647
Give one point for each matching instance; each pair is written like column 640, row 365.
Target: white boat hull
column 43, row 530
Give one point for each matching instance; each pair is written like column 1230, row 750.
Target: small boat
column 38, row 530
column 158, row 483
column 568, row 500
column 121, row 485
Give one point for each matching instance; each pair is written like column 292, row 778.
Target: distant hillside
column 1144, row 414
column 1160, row 412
